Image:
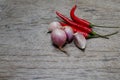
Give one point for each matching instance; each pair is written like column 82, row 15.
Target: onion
column 54, row 25
column 58, row 37
column 69, row 32
column 79, row 40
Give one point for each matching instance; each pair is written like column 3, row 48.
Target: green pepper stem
column 96, row 36
column 102, row 36
column 112, row 33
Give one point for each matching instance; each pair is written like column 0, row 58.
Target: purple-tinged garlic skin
column 69, row 32
column 79, row 40
column 58, row 37
column 54, row 25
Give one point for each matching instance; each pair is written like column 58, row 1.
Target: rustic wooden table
column 26, row 52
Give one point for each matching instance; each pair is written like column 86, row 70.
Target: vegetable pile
column 75, row 29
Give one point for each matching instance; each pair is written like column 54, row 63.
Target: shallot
column 58, row 37
column 79, row 40
column 69, row 32
column 54, row 25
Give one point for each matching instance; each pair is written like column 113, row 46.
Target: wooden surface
column 26, row 52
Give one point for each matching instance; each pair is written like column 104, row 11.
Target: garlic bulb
column 58, row 37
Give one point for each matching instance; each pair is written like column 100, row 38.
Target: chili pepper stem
column 102, row 36
column 96, row 36
column 93, row 25
column 61, row 49
column 91, row 36
column 112, row 33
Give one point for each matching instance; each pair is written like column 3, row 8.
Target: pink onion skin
column 69, row 32
column 58, row 37
column 54, row 25
column 80, row 40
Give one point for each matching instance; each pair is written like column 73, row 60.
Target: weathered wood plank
column 26, row 52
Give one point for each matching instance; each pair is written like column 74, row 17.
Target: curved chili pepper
column 78, row 27
column 83, row 21
column 81, row 28
column 70, row 22
column 76, row 19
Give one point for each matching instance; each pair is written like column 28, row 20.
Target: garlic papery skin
column 80, row 40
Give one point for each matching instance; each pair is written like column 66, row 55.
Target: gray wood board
column 26, row 51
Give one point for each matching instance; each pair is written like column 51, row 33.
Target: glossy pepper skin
column 77, row 19
column 73, row 24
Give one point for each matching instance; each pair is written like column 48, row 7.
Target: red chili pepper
column 79, row 27
column 83, row 21
column 75, row 25
column 78, row 20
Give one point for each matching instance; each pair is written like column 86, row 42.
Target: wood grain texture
column 26, row 52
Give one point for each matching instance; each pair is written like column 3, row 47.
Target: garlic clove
column 79, row 40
